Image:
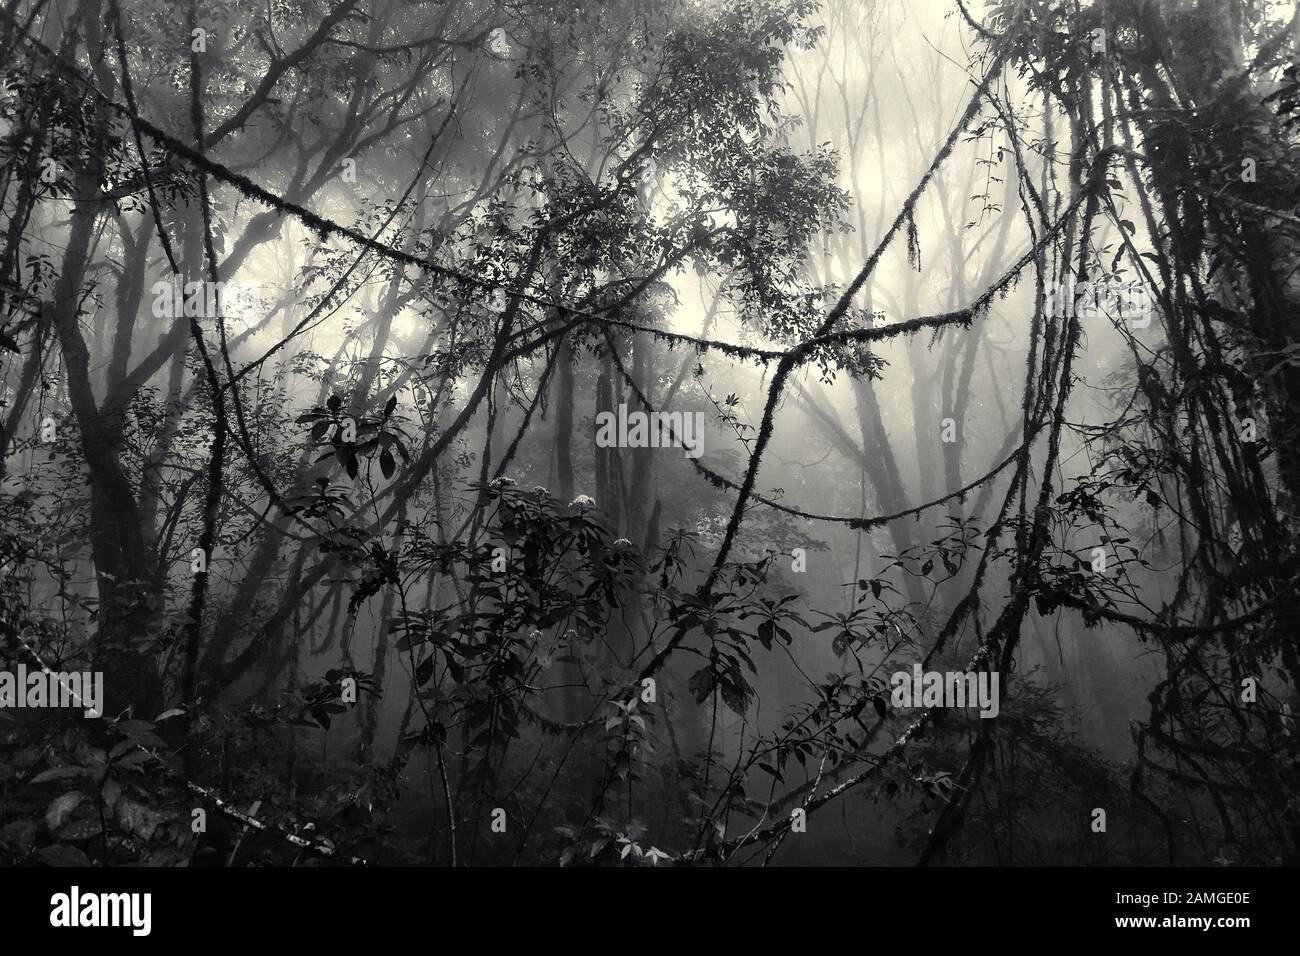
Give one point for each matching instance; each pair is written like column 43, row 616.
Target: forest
column 649, row 432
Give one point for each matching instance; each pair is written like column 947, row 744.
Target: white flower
column 539, row 490
column 502, row 482
column 622, row 542
column 583, row 501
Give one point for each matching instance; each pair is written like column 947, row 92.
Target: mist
column 538, row 435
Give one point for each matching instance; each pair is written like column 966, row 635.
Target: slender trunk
column 564, row 402
column 116, row 542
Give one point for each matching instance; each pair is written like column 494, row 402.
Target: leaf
column 701, row 683
column 133, row 759
column 59, row 773
column 319, row 429
column 61, row 808
column 139, row 820
column 334, row 403
column 424, row 671
column 121, row 747
column 386, row 463
column 391, row 404
column 654, row 855
column 62, row 854
column 735, row 694
column 349, row 460
column 878, row 702
column 139, row 729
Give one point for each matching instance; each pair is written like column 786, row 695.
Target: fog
column 311, row 314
